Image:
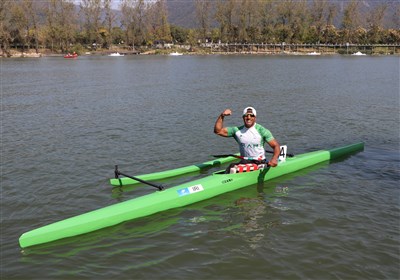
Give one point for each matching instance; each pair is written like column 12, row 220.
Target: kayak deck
column 178, row 196
column 171, row 173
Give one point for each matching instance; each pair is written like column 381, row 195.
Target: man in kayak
column 251, row 137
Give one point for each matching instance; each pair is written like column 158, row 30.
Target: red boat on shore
column 74, row 55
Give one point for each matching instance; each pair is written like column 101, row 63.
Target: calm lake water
column 66, row 123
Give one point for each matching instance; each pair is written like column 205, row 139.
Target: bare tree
column 60, row 24
column 225, row 12
column 249, row 20
column 351, row 21
column 158, row 20
column 91, row 10
column 267, row 20
column 318, row 15
column 375, row 23
column 135, row 20
column 291, row 20
column 5, row 26
column 242, row 24
column 126, row 7
column 332, row 12
column 284, row 17
column 140, row 22
column 19, row 26
column 203, row 8
column 396, row 16
column 300, row 24
column 109, row 20
column 254, row 20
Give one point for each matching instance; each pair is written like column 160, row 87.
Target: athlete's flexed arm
column 219, row 128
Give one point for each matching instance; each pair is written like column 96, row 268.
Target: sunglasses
column 251, row 115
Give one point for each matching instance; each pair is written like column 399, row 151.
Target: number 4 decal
column 282, row 153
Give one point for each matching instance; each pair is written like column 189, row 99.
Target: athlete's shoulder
column 233, row 129
column 260, row 128
column 264, row 132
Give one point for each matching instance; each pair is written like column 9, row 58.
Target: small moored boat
column 74, row 55
column 358, row 54
column 314, row 53
column 175, row 54
column 116, row 54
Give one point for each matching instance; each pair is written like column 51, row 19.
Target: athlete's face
column 249, row 120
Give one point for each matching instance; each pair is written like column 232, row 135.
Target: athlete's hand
column 227, row 112
column 273, row 162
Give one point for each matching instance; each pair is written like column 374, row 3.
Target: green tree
column 117, row 35
column 179, row 34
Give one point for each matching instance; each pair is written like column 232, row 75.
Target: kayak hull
column 178, row 196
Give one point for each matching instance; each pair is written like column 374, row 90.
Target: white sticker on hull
column 190, row 190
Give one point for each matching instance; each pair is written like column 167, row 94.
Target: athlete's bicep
column 223, row 132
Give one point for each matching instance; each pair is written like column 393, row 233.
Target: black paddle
column 240, row 157
column 231, row 155
column 117, row 173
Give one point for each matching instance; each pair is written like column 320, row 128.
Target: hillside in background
column 183, row 12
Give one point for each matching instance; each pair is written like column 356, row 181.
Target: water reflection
column 262, row 213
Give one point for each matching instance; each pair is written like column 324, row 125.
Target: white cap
column 249, row 110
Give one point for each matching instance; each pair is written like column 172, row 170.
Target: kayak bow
column 178, row 196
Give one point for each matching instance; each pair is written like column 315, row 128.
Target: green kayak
column 178, row 196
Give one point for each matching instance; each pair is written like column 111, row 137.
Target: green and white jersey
column 251, row 140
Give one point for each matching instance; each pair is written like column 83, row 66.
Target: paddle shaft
column 117, row 173
column 248, row 158
column 235, row 156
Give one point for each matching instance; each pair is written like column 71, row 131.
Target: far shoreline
column 31, row 53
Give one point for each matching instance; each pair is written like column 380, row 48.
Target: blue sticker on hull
column 190, row 190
